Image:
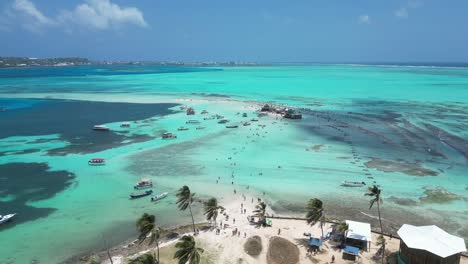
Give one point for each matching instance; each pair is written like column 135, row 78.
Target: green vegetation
column 187, row 251
column 185, row 200
column 315, row 213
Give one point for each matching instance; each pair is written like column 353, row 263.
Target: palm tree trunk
column 381, row 231
column 321, row 227
column 193, row 221
column 157, row 256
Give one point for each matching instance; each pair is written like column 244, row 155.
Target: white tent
column 359, row 231
column 431, row 239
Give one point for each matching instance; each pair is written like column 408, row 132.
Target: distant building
column 429, row 245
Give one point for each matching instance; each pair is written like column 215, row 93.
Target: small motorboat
column 353, row 184
column 253, row 120
column 97, row 162
column 219, row 116
column 6, row 218
column 168, row 135
column 200, row 127
column 223, row 121
column 192, row 122
column 204, row 112
column 159, row 197
column 139, row 195
column 232, row 126
column 246, row 124
column 125, row 124
column 244, row 115
column 190, row 111
column 183, row 128
column 143, row 184
column 100, row 128
column 208, row 118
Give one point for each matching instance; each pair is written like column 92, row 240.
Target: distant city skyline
column 265, row 31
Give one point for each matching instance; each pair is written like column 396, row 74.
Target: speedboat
column 143, row 184
column 353, row 184
column 183, row 128
column 208, row 118
column 6, row 218
column 223, row 121
column 246, row 124
column 232, row 126
column 159, row 197
column 244, row 115
column 97, row 161
column 168, row 135
column 100, row 128
column 204, row 112
column 253, row 120
column 200, row 127
column 192, row 122
column 139, row 195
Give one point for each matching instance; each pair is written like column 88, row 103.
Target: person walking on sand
column 233, row 220
column 279, row 231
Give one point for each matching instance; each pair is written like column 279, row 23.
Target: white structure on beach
column 429, row 245
column 358, row 234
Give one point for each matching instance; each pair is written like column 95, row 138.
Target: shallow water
column 405, row 127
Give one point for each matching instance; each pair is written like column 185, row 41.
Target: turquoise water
column 393, row 123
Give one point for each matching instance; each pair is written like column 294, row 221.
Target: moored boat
column 204, row 112
column 143, row 184
column 253, row 120
column 97, row 161
column 200, row 127
column 190, row 111
column 244, row 115
column 246, row 124
column 183, row 128
column 100, row 128
column 168, row 135
column 139, row 195
column 159, row 197
column 209, row 118
column 353, row 184
column 232, row 126
column 192, row 122
column 223, row 121
column 125, row 124
column 6, row 218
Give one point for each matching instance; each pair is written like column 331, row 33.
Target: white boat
column 246, row 124
column 6, row 218
column 353, row 184
column 200, row 127
column 159, row 197
column 100, row 128
column 143, row 184
column 183, row 128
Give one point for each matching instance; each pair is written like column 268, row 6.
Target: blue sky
column 240, row 30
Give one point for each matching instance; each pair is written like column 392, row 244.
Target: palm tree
column 342, row 227
column 375, row 192
column 146, row 225
column 211, row 209
column 315, row 213
column 144, row 259
column 381, row 243
column 260, row 212
column 187, row 251
column 184, row 201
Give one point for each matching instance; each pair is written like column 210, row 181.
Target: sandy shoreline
column 227, row 248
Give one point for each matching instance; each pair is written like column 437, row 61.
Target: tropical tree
column 144, row 259
column 381, row 244
column 315, row 213
column 185, row 200
column 187, row 251
column 375, row 193
column 260, row 212
column 342, row 227
column 212, row 209
column 146, row 225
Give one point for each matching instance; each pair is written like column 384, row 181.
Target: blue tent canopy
column 351, row 250
column 315, row 242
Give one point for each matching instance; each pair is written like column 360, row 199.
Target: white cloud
column 103, row 14
column 364, row 19
column 92, row 14
column 402, row 13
